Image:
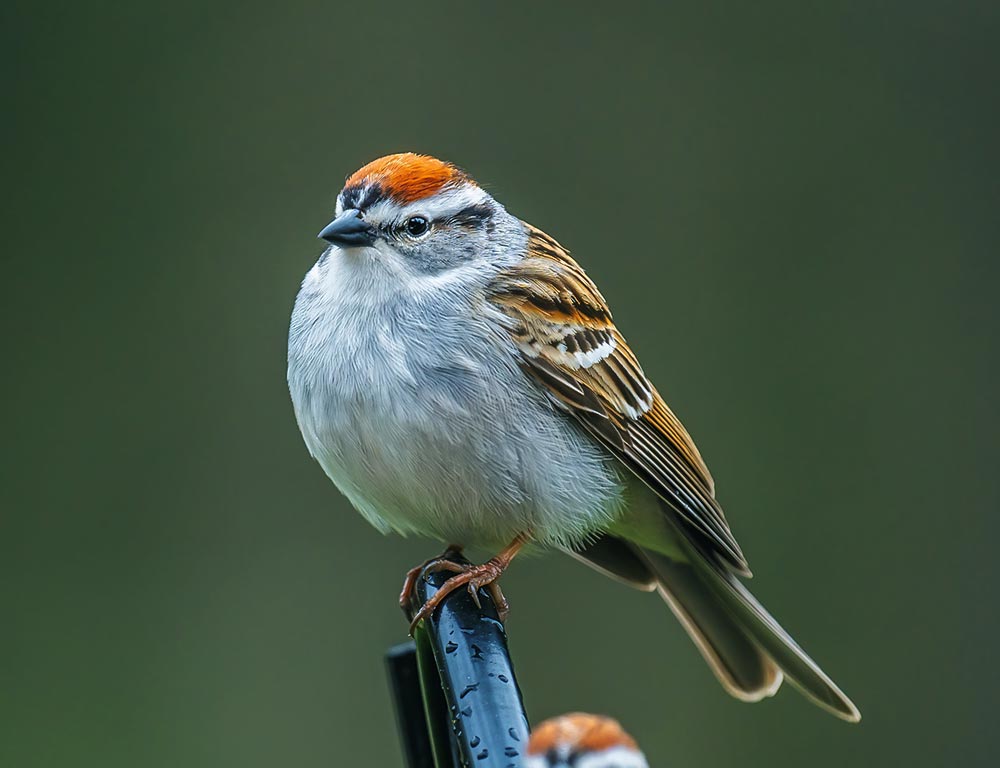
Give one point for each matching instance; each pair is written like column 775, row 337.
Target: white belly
column 423, row 419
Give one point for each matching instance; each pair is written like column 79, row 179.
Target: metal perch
column 456, row 698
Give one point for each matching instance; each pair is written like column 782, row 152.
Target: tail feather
column 744, row 670
column 723, row 619
column 801, row 670
column 743, row 644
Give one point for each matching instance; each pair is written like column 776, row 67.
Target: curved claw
column 474, row 594
column 410, row 581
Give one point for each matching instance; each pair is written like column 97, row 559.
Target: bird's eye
column 417, row 226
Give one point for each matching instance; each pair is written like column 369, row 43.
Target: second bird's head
column 421, row 214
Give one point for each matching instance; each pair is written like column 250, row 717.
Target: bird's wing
column 567, row 340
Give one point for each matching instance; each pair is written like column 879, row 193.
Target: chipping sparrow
column 582, row 741
column 458, row 375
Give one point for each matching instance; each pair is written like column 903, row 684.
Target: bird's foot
column 473, row 578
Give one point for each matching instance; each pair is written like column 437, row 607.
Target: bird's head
column 418, row 210
column 582, row 741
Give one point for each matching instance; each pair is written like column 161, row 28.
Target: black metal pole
column 407, row 696
column 472, row 704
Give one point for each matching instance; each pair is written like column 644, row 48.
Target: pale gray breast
column 417, row 409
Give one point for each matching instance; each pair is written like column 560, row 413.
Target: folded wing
column 569, row 343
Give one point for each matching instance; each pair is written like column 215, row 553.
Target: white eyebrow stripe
column 445, row 203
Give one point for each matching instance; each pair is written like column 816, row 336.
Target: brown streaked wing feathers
column 553, row 305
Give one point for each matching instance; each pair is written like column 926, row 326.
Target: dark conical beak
column 348, row 229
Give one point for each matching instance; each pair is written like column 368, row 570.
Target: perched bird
column 457, row 375
column 582, row 741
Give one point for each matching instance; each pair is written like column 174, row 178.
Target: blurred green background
column 794, row 209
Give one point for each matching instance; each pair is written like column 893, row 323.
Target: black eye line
column 470, row 217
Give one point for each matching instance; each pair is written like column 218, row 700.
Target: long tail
column 743, row 644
